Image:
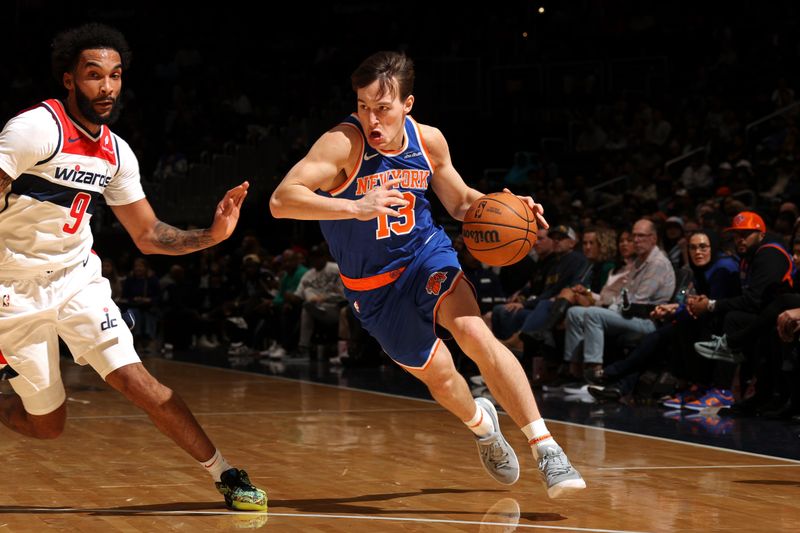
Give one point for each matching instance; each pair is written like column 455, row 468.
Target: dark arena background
column 684, row 114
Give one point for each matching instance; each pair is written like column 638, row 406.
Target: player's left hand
column 227, row 214
column 538, row 209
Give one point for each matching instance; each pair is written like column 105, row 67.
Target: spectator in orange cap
column 766, row 268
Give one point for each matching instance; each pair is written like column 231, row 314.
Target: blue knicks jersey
column 386, row 243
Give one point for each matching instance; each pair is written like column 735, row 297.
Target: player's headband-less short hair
column 384, row 67
column 68, row 45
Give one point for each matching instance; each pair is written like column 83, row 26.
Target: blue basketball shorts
column 402, row 315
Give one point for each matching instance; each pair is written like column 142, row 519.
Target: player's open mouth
column 104, row 105
column 375, row 136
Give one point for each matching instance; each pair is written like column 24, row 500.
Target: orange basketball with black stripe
column 499, row 229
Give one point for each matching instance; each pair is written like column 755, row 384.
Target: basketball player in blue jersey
column 56, row 159
column 365, row 180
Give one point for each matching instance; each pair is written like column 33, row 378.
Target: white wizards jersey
column 59, row 170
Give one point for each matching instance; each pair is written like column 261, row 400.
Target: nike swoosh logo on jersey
column 76, row 139
column 368, row 157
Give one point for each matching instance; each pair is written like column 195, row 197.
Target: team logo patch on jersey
column 434, row 285
column 356, row 306
column 6, row 300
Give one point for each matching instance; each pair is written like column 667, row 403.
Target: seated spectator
column 767, row 271
column 253, row 304
column 591, row 138
column 545, row 361
column 651, row 282
column 657, row 130
column 285, row 313
column 674, row 242
column 488, row 290
column 697, row 175
column 600, row 248
column 788, row 325
column 141, row 295
column 356, row 347
column 626, row 257
column 529, row 311
column 109, row 271
column 545, row 260
column 179, row 306
column 712, row 274
column 216, row 299
column 321, row 294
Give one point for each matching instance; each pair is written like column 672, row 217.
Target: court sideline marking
column 281, row 412
column 685, row 467
column 575, row 424
column 255, row 515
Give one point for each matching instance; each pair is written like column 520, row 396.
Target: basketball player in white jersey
column 56, row 159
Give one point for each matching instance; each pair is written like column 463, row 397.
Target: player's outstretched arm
column 325, row 167
column 153, row 236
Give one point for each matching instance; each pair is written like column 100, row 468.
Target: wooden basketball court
column 335, row 459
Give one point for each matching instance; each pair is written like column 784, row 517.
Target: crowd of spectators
column 644, row 135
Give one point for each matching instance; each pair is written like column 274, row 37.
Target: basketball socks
column 216, row 466
column 537, row 435
column 481, row 423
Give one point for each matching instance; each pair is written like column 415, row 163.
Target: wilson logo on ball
column 478, row 236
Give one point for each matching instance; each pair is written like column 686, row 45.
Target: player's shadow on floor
column 316, row 505
column 348, row 505
column 174, row 508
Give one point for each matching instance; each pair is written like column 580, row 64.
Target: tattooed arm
column 5, row 181
column 155, row 237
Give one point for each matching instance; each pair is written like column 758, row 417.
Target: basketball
column 499, row 229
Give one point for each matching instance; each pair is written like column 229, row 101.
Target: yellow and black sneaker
column 239, row 493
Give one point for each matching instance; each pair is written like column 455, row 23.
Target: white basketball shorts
column 73, row 303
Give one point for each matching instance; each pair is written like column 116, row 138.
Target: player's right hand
column 380, row 200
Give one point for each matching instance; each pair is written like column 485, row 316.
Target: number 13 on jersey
column 399, row 225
